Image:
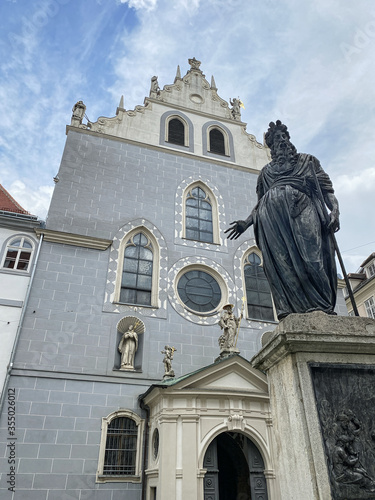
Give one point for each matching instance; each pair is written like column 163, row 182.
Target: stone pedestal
column 321, row 375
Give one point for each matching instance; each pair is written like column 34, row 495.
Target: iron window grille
column 121, row 448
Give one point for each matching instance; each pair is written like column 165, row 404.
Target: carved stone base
column 169, row 374
column 226, row 352
column 321, row 374
column 127, row 368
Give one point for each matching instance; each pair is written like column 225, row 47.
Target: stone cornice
column 316, row 332
column 78, row 240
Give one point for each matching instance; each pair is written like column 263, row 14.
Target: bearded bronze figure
column 291, row 228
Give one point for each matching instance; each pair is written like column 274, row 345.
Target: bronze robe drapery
column 291, row 231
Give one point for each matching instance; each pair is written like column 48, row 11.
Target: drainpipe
column 146, row 408
column 13, row 353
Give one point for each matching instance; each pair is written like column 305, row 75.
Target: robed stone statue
column 291, row 228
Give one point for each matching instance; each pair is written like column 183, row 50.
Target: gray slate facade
column 66, row 372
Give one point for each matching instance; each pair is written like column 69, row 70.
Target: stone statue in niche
column 236, row 108
column 78, row 111
column 155, row 89
column 130, row 328
column 230, row 325
column 168, row 357
column 128, row 347
column 291, row 229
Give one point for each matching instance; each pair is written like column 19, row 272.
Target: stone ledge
column 78, row 240
column 316, row 332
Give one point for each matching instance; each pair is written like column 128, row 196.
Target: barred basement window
column 120, row 448
column 217, row 142
column 18, row 254
column 258, row 293
column 176, row 132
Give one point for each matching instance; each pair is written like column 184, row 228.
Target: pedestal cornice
column 316, row 332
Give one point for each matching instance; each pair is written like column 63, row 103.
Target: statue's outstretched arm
column 334, row 217
column 238, row 227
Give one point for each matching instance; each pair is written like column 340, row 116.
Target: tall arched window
column 198, row 216
column 18, row 254
column 137, row 271
column 217, row 142
column 176, row 132
column 120, row 447
column 258, row 293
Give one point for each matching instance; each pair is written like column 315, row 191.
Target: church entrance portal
column 235, row 469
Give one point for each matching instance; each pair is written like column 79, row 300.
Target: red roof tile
column 9, row 204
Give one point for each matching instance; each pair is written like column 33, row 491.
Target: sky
column 307, row 63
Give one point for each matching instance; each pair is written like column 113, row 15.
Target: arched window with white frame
column 176, row 131
column 120, row 447
column 18, row 254
column 138, row 269
column 200, row 214
column 258, row 292
column 217, row 141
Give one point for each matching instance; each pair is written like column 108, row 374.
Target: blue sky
column 310, row 64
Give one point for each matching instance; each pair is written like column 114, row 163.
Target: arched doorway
column 235, row 469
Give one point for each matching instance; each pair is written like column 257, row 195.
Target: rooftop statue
column 291, row 228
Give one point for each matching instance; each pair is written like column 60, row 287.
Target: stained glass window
column 136, row 283
column 258, row 293
column 198, row 216
column 199, row 291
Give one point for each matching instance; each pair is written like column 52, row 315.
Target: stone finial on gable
column 213, row 83
column 178, row 74
column 194, row 64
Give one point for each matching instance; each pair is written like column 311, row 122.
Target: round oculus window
column 199, row 291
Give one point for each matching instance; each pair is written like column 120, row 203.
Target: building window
column 258, row 293
column 176, row 132
column 217, row 142
column 120, row 447
column 137, row 271
column 198, row 216
column 199, row 291
column 371, row 270
column 18, row 254
column 370, row 307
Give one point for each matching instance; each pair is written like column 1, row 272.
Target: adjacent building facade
column 134, row 270
column 18, row 249
column 363, row 286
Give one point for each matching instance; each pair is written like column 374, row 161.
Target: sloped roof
column 9, row 204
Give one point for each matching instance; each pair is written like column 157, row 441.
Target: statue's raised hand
column 238, row 227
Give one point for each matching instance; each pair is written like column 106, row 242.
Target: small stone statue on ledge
column 78, row 111
column 168, row 357
column 230, row 324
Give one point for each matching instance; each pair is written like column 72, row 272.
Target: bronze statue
column 291, row 229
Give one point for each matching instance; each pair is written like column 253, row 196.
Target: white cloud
column 141, row 4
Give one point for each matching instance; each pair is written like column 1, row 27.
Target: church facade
column 133, row 274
